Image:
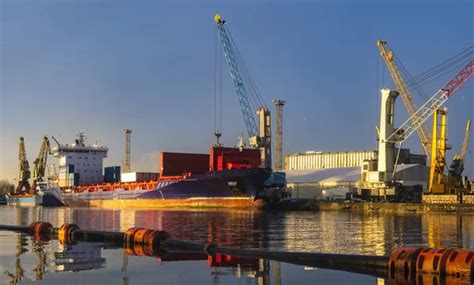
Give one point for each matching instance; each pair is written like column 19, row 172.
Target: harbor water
column 24, row 261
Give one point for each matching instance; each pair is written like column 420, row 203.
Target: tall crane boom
column 24, row 168
column 465, row 143
column 434, row 103
column 242, row 92
column 405, row 94
column 41, row 161
column 457, row 165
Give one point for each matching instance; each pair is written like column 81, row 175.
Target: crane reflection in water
column 85, row 256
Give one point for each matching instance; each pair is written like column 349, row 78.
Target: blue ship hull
column 225, row 183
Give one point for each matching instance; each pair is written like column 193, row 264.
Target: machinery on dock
column 457, row 165
column 451, row 182
column 378, row 179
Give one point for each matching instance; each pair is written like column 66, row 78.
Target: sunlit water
column 373, row 233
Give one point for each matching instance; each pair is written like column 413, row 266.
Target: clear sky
column 102, row 66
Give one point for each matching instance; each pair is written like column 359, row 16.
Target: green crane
column 24, row 169
column 457, row 165
column 40, row 163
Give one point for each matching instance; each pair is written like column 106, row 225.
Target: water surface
column 25, row 261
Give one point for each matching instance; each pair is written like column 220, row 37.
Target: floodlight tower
column 126, row 159
column 279, row 134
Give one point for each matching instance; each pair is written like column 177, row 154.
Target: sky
column 102, row 66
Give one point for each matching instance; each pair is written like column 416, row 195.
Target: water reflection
column 371, row 233
column 86, row 256
column 337, row 232
column 78, row 257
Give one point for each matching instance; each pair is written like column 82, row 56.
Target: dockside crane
column 259, row 137
column 381, row 182
column 404, row 92
column 457, row 165
column 24, row 168
column 39, row 170
column 437, row 181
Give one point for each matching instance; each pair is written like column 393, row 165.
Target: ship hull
column 222, row 189
column 198, row 202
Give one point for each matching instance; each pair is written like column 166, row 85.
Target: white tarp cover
column 347, row 174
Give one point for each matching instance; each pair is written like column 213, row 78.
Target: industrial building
column 333, row 183
column 314, row 160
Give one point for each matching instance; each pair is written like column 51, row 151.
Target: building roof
column 346, row 174
column 324, row 175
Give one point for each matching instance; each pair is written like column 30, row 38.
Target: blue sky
column 102, row 66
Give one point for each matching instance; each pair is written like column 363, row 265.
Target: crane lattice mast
column 40, row 162
column 457, row 165
column 24, row 168
column 242, row 92
column 465, row 143
column 407, row 98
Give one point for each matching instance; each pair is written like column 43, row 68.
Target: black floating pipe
column 373, row 265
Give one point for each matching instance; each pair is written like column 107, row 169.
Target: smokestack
column 279, row 134
column 126, row 159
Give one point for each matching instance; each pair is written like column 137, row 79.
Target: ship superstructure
column 79, row 164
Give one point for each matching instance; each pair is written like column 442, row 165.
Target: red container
column 174, row 163
column 229, row 158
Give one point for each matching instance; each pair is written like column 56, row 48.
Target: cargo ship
column 227, row 177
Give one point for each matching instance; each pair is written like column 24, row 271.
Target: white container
column 138, row 176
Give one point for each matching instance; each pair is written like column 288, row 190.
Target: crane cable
column 436, row 72
column 217, row 85
column 410, row 80
column 449, row 62
column 255, row 96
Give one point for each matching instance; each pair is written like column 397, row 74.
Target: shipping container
column 76, row 179
column 229, row 158
column 112, row 174
column 174, row 163
column 138, row 176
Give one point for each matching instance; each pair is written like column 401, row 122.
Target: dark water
column 25, row 261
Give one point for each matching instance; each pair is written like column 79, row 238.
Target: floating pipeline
column 405, row 265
